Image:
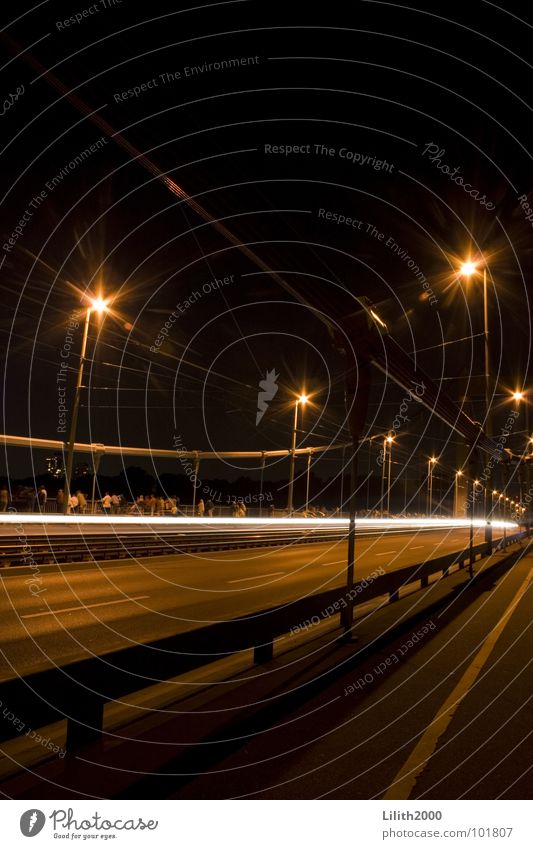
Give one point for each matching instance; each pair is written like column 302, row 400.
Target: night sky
column 333, row 142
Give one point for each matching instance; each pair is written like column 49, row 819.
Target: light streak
column 198, row 523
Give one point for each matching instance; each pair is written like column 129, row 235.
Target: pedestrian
column 60, row 500
column 173, row 507
column 42, row 497
column 115, row 504
column 242, row 509
column 160, row 506
column 82, row 502
column 73, row 504
column 210, row 507
column 271, row 510
column 4, row 499
column 106, row 504
column 201, row 508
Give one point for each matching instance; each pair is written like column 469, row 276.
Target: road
column 65, row 616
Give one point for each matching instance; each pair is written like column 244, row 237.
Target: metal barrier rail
column 78, row 691
column 71, row 548
column 75, row 548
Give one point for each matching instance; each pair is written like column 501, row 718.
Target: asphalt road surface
column 89, row 611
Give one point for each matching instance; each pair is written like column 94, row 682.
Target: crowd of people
column 30, row 499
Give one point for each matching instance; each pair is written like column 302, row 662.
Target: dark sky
column 387, row 107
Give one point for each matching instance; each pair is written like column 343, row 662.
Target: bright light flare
column 303, row 399
column 468, row 268
column 99, row 305
column 518, row 396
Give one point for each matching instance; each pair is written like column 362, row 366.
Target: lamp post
column 307, row 483
column 99, row 306
column 458, row 475
column 386, row 470
column 520, row 396
column 492, row 504
column 431, row 466
column 468, row 269
column 302, row 399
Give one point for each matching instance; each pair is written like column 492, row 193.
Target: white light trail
column 200, row 523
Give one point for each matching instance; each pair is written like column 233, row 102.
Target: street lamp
column 387, row 462
column 518, row 396
column 469, row 269
column 458, row 475
column 431, row 466
column 302, row 399
column 99, row 306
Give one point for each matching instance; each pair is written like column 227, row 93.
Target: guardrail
column 73, row 548
column 78, row 691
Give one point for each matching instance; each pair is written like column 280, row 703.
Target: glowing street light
column 468, row 268
column 302, row 400
column 99, row 306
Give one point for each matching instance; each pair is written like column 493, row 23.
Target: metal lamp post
column 302, row 399
column 458, row 475
column 468, row 269
column 99, row 306
column 386, row 470
column 307, row 483
column 431, row 465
